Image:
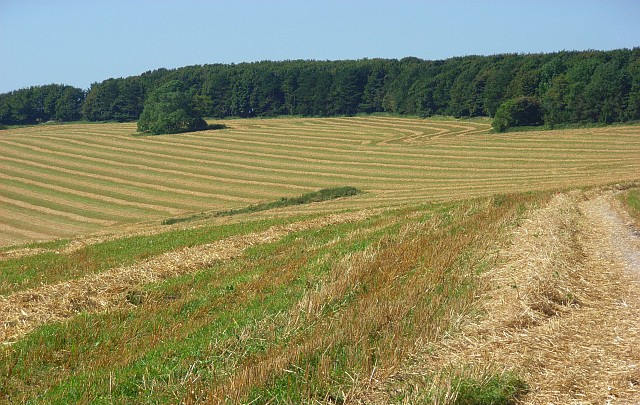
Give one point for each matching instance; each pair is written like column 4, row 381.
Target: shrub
column 170, row 109
column 517, row 112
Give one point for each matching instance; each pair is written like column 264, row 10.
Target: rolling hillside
column 473, row 267
column 77, row 179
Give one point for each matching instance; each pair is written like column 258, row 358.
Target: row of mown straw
column 78, row 168
column 23, row 311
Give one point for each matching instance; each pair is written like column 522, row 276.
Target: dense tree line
column 569, row 87
column 41, row 104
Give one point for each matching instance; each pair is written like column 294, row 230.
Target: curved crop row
column 83, row 176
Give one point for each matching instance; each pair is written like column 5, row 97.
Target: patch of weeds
column 503, row 389
column 499, row 200
column 631, row 201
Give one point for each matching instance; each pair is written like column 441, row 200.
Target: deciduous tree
column 171, row 109
column 521, row 111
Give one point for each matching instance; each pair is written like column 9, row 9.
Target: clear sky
column 78, row 42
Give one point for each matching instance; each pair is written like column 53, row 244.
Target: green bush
column 171, row 109
column 518, row 112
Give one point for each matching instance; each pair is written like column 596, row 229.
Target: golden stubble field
column 77, row 179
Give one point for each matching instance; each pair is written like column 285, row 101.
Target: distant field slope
column 70, row 180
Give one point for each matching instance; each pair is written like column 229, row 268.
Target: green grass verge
column 567, row 126
column 325, row 194
column 222, row 303
column 48, row 245
column 631, row 200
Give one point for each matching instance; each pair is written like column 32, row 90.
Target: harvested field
column 91, row 177
column 374, row 306
column 562, row 312
column 22, row 312
column 276, row 311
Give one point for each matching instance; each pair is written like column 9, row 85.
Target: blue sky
column 79, row 42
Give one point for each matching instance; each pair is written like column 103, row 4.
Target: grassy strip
column 209, row 127
column 465, row 386
column 308, row 198
column 300, row 320
column 52, row 266
column 631, row 200
column 556, row 127
column 48, row 245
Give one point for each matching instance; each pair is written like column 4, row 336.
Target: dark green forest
column 569, row 88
